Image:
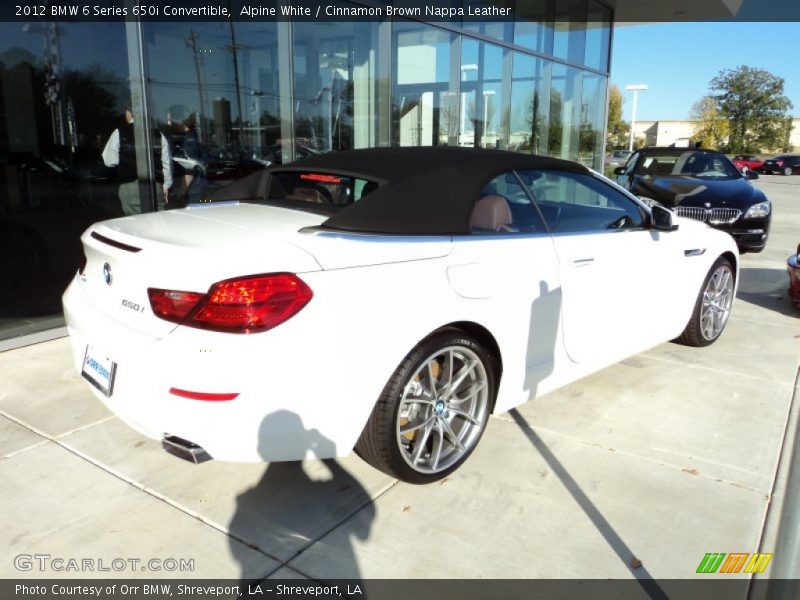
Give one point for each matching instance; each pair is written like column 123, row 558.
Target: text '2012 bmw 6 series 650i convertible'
column 384, row 300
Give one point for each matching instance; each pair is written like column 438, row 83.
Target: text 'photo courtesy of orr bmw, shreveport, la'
column 386, row 300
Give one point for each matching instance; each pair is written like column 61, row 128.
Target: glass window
column 335, row 86
column 598, row 36
column 533, row 27
column 214, row 91
column 574, row 202
column 592, row 120
column 505, row 207
column 500, row 28
column 695, row 164
column 63, row 90
column 564, row 112
column 569, row 39
column 482, row 123
column 528, row 115
column 425, row 107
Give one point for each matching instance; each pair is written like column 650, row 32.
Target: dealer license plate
column 99, row 370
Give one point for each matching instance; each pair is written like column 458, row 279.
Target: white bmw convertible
column 387, row 300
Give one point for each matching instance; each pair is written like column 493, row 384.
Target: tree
column 618, row 130
column 711, row 129
column 754, row 103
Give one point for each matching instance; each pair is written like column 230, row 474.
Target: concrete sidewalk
column 657, row 460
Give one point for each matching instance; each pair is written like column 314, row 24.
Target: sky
column 678, row 61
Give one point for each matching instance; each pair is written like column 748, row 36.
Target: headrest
column 491, row 213
column 306, row 194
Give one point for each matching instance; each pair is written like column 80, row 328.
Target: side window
column 574, row 202
column 505, row 207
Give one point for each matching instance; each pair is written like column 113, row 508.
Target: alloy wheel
column 717, row 301
column 443, row 408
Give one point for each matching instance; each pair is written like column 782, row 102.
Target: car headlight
column 758, row 211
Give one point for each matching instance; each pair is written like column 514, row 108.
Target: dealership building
column 230, row 97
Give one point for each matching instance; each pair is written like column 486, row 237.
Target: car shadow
column 289, row 508
column 617, row 544
column 766, row 288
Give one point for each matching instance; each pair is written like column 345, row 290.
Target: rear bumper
column 282, row 411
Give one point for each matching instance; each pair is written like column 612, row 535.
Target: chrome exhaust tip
column 184, row 449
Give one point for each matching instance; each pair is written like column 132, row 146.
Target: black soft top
column 423, row 190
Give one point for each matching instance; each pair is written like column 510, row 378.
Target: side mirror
column 751, row 174
column 662, row 219
column 620, row 171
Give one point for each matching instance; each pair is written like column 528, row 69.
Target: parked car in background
column 747, row 162
column 387, row 300
column 786, row 164
column 617, row 158
column 702, row 185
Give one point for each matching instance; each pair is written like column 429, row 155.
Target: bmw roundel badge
column 107, row 273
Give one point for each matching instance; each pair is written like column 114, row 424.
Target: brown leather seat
column 305, row 194
column 491, row 213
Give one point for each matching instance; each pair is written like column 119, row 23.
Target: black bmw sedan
column 786, row 164
column 702, row 185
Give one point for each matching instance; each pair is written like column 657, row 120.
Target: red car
column 747, row 162
column 793, row 266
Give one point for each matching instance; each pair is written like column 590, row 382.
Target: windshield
column 693, row 164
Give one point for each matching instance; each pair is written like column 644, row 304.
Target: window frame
column 646, row 216
column 532, row 206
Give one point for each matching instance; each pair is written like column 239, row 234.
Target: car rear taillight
column 241, row 305
column 172, row 305
column 779, row 163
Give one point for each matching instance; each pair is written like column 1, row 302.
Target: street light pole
column 635, row 89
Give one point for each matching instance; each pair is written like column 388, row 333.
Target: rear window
column 317, row 189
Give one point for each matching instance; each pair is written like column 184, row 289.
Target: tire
column 420, row 433
column 713, row 306
column 787, row 171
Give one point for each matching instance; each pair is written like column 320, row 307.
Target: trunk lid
column 185, row 250
column 193, row 248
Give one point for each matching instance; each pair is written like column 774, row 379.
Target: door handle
column 580, row 262
column 694, row 252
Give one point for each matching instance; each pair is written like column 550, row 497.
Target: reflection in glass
column 500, row 29
column 598, row 36
column 483, row 122
column 592, row 120
column 62, row 90
column 335, row 86
column 214, row 91
column 424, row 107
column 569, row 38
column 529, row 115
column 534, row 25
column 565, row 105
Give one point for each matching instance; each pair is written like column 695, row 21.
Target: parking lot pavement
column 636, row 471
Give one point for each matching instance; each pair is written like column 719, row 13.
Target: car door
column 508, row 270
column 620, row 279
